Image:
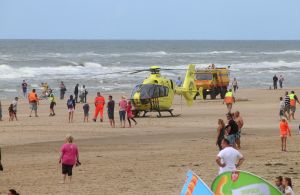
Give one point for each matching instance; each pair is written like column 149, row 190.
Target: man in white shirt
column 229, row 159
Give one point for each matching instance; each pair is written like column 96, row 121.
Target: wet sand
column 150, row 158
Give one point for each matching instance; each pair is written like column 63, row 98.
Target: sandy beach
column 150, row 158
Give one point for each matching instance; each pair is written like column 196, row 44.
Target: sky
column 150, row 19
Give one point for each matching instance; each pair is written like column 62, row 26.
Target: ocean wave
column 297, row 52
column 267, row 65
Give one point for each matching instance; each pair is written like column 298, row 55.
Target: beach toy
column 194, row 186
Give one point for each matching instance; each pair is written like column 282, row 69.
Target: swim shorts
column 293, row 108
column 110, row 115
column 287, row 109
column 71, row 109
column 231, row 138
column 33, row 105
column 52, row 104
column 67, row 169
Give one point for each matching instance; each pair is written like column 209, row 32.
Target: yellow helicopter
column 156, row 93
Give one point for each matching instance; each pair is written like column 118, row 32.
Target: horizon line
column 75, row 39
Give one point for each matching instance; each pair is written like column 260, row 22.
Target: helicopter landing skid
column 160, row 113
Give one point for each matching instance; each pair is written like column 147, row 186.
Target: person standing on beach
column 287, row 105
column 281, row 109
column 76, row 91
column 288, row 187
column 235, row 85
column 129, row 113
column 86, row 110
column 179, row 82
column 14, row 108
column 284, row 131
column 275, row 80
column 229, row 100
column 63, row 90
column 52, row 103
column 231, row 130
column 122, row 111
column 293, row 101
column 83, row 94
column 71, row 108
column 24, row 88
column 33, row 101
column 220, row 133
column 229, row 159
column 99, row 106
column 111, row 111
column 281, row 79
column 68, row 158
column 240, row 123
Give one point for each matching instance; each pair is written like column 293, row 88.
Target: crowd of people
column 228, row 136
column 125, row 107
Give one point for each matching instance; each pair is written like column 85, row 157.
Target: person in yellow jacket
column 293, row 101
column 229, row 100
column 52, row 103
column 33, row 101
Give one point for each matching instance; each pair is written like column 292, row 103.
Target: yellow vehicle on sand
column 212, row 81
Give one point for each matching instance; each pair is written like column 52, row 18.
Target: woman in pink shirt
column 122, row 110
column 69, row 157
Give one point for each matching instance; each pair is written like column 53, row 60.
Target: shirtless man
column 239, row 121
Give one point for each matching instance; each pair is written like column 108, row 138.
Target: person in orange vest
column 293, row 100
column 33, row 101
column 229, row 100
column 99, row 106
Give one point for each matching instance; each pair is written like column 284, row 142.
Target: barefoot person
column 111, row 111
column 228, row 159
column 231, row 130
column 122, row 111
column 129, row 113
column 99, row 106
column 220, row 133
column 86, row 110
column 33, row 101
column 229, row 100
column 293, row 101
column 281, row 109
column 15, row 107
column 69, row 157
column 71, row 108
column 240, row 122
column 52, row 103
column 287, row 105
column 284, row 131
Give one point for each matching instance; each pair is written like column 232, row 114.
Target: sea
column 106, row 65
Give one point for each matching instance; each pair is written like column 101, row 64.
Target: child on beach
column 129, row 113
column 15, row 104
column 284, row 131
column 288, row 187
column 71, row 108
column 281, row 109
column 86, row 109
column 0, row 111
column 278, row 184
column 122, row 110
column 10, row 113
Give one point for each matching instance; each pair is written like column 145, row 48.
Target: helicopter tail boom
column 188, row 89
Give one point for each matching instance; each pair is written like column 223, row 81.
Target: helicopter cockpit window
column 151, row 91
column 204, row 76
